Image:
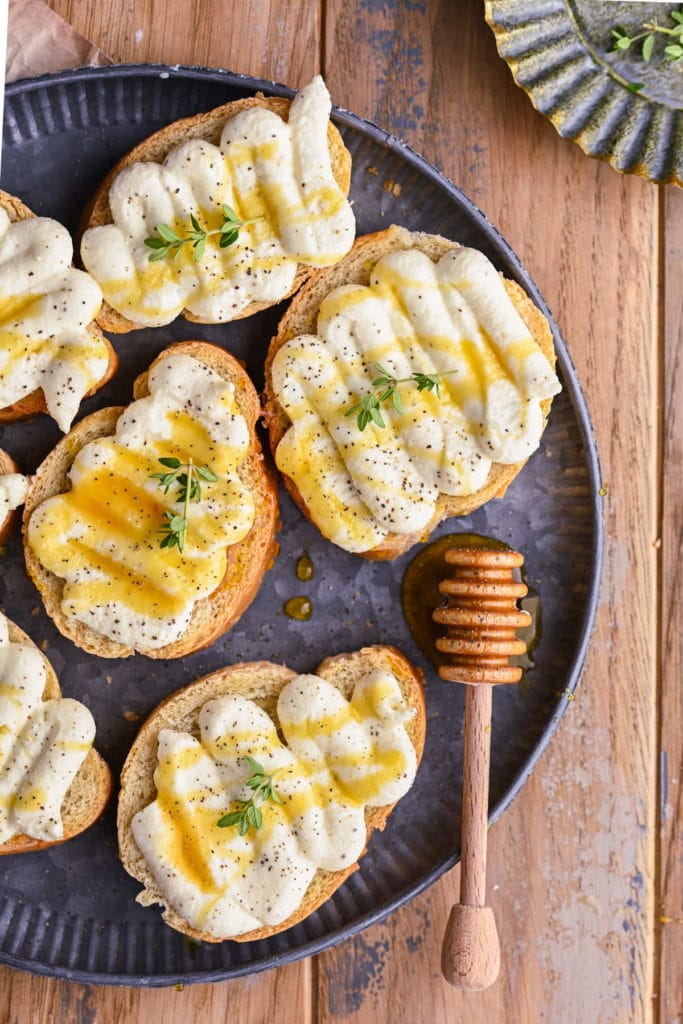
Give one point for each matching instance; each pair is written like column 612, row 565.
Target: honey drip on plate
column 304, row 567
column 420, row 595
column 299, row 608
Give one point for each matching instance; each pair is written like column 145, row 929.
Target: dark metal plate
column 70, row 911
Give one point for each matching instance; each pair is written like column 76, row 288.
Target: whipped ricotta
column 102, row 537
column 277, row 171
column 43, row 743
column 415, row 316
column 45, row 309
column 13, row 490
column 338, row 757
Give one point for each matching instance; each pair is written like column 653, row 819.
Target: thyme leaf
column 167, row 242
column 186, row 477
column 249, row 814
column 385, row 388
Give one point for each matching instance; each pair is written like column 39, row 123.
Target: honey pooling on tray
column 299, row 608
column 304, row 567
column 482, row 617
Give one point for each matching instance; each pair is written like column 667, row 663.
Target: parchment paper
column 38, row 41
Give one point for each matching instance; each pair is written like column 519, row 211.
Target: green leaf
column 677, row 16
column 230, row 214
column 206, row 474
column 254, row 765
column 160, row 254
column 376, row 416
column 229, row 819
column 396, row 399
column 378, row 368
column 243, row 826
column 229, row 238
column 674, row 52
column 622, row 43
column 155, row 242
column 170, row 462
column 648, row 46
column 275, row 797
column 195, row 223
column 168, row 234
column 635, row 86
column 352, row 410
column 258, row 817
column 198, row 249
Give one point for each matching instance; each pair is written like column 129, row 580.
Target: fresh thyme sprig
column 250, row 814
column 187, row 478
column 167, row 241
column 385, row 388
column 672, row 53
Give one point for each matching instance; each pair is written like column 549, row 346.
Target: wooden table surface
column 586, row 866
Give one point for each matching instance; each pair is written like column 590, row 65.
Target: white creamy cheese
column 339, row 757
column 42, row 744
column 452, row 318
column 13, row 490
column 45, row 309
column 103, row 536
column 276, row 171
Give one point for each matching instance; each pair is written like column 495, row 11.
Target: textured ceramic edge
column 581, row 95
column 572, row 386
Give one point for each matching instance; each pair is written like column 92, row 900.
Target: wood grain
column 283, row 996
column 273, row 40
column 571, row 865
column 670, row 905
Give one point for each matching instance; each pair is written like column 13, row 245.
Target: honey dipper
column 482, row 618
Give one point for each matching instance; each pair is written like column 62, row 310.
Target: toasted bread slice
column 7, row 465
column 88, row 794
column 35, row 402
column 301, row 318
column 247, row 561
column 208, row 127
column 262, row 683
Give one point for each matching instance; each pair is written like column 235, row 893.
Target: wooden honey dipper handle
column 482, row 619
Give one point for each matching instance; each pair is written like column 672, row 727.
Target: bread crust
column 301, row 318
column 247, row 560
column 208, row 127
column 31, row 404
column 91, row 788
column 7, row 465
column 261, row 682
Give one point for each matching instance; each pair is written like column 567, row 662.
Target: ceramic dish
column 615, row 105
